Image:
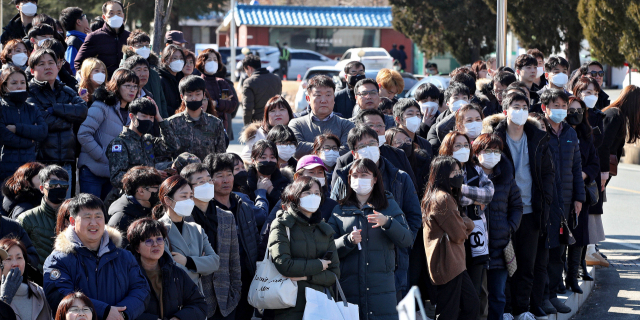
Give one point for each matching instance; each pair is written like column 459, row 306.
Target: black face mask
column 144, row 126
column 240, row 179
column 266, row 167
column 574, row 119
column 154, row 199
column 352, row 80
column 456, row 181
column 57, row 195
column 194, row 105
column 407, row 148
column 16, row 97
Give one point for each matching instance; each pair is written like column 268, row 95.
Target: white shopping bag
column 407, row 307
column 269, row 289
column 320, row 306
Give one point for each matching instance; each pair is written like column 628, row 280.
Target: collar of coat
column 130, row 133
column 491, row 123
column 45, row 84
column 202, row 120
column 289, row 218
column 68, row 242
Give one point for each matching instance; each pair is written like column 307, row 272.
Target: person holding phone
column 369, row 225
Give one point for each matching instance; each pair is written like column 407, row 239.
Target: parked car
column 373, row 58
column 301, row 101
column 268, row 56
column 441, row 82
column 302, row 60
column 409, row 81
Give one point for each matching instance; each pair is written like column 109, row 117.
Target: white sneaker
column 525, row 316
column 507, row 316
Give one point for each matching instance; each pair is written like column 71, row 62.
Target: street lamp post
column 501, row 33
column 232, row 44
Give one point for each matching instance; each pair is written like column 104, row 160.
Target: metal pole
column 232, row 38
column 501, row 33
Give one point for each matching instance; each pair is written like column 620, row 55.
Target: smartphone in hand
column 225, row 94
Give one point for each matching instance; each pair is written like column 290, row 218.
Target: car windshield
column 375, row 54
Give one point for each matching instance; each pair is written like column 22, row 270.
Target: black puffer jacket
column 123, row 212
column 20, row 147
column 15, row 204
column 10, row 228
column 439, row 130
column 13, row 30
column 181, row 297
column 170, row 88
column 345, row 101
column 596, row 120
column 278, row 180
column 62, row 109
column 504, row 212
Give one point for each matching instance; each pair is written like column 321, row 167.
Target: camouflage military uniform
column 129, row 149
column 200, row 137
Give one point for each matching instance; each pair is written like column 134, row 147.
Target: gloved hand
column 10, row 284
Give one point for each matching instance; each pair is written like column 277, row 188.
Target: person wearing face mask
column 22, row 124
column 456, row 96
column 14, row 53
column 467, row 120
column 107, row 42
column 526, row 146
column 135, row 147
column 418, row 158
column 240, row 174
column 40, row 222
column 540, row 80
column 104, row 122
column 17, row 27
column 38, row 34
column 76, row 24
column 140, row 185
column 588, row 90
column 286, row 143
column 565, row 150
column 430, row 99
column 170, row 72
column 19, row 290
column 198, row 132
column 326, row 147
column 557, row 74
column 345, row 99
column 303, row 260
column 408, row 117
column 190, row 245
column 277, row 111
column 92, row 76
column 503, row 214
column 209, row 62
column 368, row 225
column 260, row 86
column 139, row 43
column 476, row 192
column 264, row 172
column 363, row 143
column 446, row 227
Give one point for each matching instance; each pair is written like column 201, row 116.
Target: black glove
column 10, row 284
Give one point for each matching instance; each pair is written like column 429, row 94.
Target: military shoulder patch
column 116, row 148
column 54, row 275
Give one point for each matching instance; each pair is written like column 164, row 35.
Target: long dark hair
column 441, row 168
column 62, row 220
column 391, row 133
column 378, row 198
column 167, row 189
column 21, row 179
column 583, row 129
column 628, row 103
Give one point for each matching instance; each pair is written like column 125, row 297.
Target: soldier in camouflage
column 198, row 132
column 135, row 146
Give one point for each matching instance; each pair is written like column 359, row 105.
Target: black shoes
column 559, row 305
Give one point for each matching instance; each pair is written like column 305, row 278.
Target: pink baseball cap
column 310, row 162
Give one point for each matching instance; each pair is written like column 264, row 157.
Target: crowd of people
column 488, row 195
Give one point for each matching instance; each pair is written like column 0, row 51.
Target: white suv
column 373, row 58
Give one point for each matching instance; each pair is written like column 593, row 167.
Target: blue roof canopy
column 321, row 17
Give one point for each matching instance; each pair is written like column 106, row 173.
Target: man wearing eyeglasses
column 40, row 222
column 75, row 22
column 87, row 257
column 367, row 94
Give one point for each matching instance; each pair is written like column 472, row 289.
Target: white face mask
column 539, row 72
column 115, row 22
column 381, row 140
column 462, row 154
column 361, row 186
column 473, row 129
column 144, row 52
column 211, row 67
column 413, row 123
column 519, row 117
column 204, row 192
column 19, row 59
column 329, row 157
column 176, row 66
column 310, row 203
column 183, row 208
column 489, row 160
column 560, row 79
column 98, row 77
column 371, row 153
column 41, row 41
column 457, row 105
column 29, row 9
column 286, row 152
column 429, row 107
column 322, row 181
column 590, row 101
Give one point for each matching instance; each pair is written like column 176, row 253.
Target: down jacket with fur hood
column 251, row 133
column 109, row 277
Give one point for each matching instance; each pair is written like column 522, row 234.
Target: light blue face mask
column 557, row 115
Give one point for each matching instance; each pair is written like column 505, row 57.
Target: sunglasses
column 597, row 74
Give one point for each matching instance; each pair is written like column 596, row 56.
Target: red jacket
column 105, row 45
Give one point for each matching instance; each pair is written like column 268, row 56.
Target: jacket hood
column 249, row 132
column 288, row 218
column 490, row 123
column 102, row 94
column 152, row 59
column 65, row 243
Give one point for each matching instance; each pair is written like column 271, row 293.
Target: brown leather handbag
column 613, row 165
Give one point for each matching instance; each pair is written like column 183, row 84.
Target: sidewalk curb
column 575, row 301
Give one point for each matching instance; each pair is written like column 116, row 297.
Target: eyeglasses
column 376, row 126
column 572, row 111
column 130, row 87
column 372, row 93
column 458, row 146
column 498, row 92
column 327, row 149
column 151, row 242
column 77, row 310
column 597, row 74
column 492, row 151
column 457, row 172
column 370, row 144
column 401, row 142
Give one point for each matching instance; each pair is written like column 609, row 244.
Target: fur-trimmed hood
column 66, row 241
column 249, row 131
column 490, row 123
column 153, row 59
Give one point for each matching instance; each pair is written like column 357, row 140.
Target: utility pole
column 232, row 44
column 501, row 34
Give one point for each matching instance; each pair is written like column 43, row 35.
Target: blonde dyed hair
column 85, row 71
column 390, row 79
